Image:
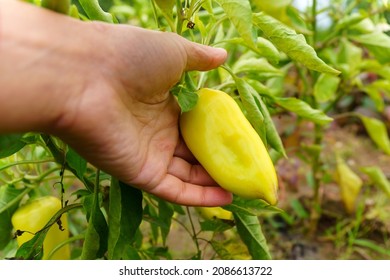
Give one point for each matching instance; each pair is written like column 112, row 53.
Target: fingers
column 187, row 172
column 183, row 152
column 175, row 190
column 191, row 185
column 203, row 58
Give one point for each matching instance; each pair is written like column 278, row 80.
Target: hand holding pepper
column 104, row 89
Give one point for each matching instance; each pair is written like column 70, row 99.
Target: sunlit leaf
column 240, row 14
column 303, row 110
column 253, row 113
column 349, row 20
column 326, row 87
column 165, row 5
column 377, row 131
column 187, row 99
column 276, row 9
column 272, row 135
column 291, row 43
column 377, row 42
column 378, row 178
column 259, row 67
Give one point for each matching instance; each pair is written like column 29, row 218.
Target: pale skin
column 104, row 90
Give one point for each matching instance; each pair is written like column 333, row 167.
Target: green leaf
column 10, row 144
column 372, row 246
column 76, row 162
column 165, row 212
column 364, row 26
column 240, row 14
column 33, row 249
column 273, row 138
column 259, row 67
column 350, row 57
column 124, row 218
column 95, row 12
column 377, row 131
column 276, row 9
column 375, row 95
column 249, row 229
column 253, row 113
column 95, row 243
column 187, row 99
column 349, row 20
column 371, row 65
column 59, row 6
column 166, row 5
column 250, row 207
column 378, row 178
column 376, row 42
column 303, row 110
column 291, row 43
column 8, row 194
column 299, row 209
column 216, row 225
column 263, row 47
column 266, row 49
column 325, row 88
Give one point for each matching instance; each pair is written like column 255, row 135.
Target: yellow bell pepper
column 221, row 138
column 33, row 216
column 210, row 213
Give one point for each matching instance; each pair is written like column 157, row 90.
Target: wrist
column 43, row 71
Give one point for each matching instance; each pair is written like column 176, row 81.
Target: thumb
column 202, row 57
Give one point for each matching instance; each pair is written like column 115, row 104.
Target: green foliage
column 125, row 216
column 10, row 144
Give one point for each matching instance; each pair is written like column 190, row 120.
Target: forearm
column 45, row 61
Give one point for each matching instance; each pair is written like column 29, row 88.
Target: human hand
column 125, row 121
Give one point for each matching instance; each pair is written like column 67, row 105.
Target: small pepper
column 33, row 216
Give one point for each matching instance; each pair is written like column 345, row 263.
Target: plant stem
column 194, row 235
column 316, row 167
column 179, row 17
column 314, row 21
column 318, row 137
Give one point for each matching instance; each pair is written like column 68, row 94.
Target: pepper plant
column 281, row 61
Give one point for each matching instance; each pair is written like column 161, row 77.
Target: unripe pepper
column 228, row 147
column 33, row 216
column 210, row 213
